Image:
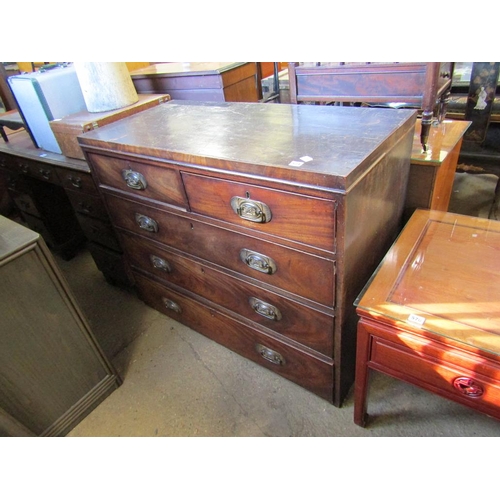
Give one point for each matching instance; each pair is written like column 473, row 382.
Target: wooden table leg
column 362, row 374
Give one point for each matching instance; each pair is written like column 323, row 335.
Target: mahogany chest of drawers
column 430, row 314
column 257, row 224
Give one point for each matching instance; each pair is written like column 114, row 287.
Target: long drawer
column 313, row 373
column 153, row 182
column 296, row 217
column 300, row 273
column 289, row 318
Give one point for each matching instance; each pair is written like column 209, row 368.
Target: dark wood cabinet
column 257, row 225
column 52, row 371
column 200, row 81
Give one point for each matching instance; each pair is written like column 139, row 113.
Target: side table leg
column 362, row 374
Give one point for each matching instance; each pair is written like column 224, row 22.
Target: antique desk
column 431, row 316
column 432, row 172
column 52, row 371
column 200, row 81
column 56, row 197
column 256, row 224
column 422, row 84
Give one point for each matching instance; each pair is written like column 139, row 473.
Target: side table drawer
column 296, row 217
column 289, row 318
column 306, row 370
column 276, row 265
column 430, row 370
column 153, row 182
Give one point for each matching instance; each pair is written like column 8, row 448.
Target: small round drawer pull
column 134, row 180
column 173, row 306
column 264, row 309
column 159, row 263
column 270, row 355
column 258, row 261
column 146, row 223
column 468, row 387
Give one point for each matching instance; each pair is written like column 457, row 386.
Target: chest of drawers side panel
column 371, row 221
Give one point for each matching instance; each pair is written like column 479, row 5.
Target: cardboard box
column 68, row 128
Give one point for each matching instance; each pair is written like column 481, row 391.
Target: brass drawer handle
column 255, row 211
column 159, row 263
column 134, row 180
column 468, row 387
column 146, row 223
column 75, row 181
column 270, row 355
column 24, row 168
column 264, row 309
column 84, row 207
column 45, row 173
column 258, row 261
column 173, row 306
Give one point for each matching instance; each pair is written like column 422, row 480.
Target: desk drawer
column 42, row 171
column 311, row 372
column 300, row 218
column 99, row 231
column 87, row 204
column 463, row 377
column 289, row 318
column 153, row 182
column 297, row 272
column 80, row 182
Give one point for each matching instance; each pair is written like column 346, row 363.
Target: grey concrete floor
column 177, row 382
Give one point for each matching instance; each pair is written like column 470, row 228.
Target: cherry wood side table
column 430, row 315
column 432, row 172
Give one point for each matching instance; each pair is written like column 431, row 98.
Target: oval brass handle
column 264, row 309
column 468, row 387
column 255, row 211
column 258, row 261
column 270, row 355
column 75, row 181
column 146, row 223
column 134, row 180
column 25, row 168
column 160, row 263
column 173, row 306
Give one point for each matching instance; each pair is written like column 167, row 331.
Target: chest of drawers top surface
column 441, row 276
column 327, row 146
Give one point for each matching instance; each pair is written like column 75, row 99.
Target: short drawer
column 8, row 162
column 88, row 204
column 297, row 272
column 289, row 318
column 39, row 170
column 432, row 367
column 295, row 217
column 77, row 181
column 154, row 182
column 311, row 372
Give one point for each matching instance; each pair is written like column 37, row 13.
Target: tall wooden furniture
column 52, row 371
column 431, row 316
column 57, row 198
column 200, row 81
column 425, row 85
column 257, row 225
column 432, row 172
